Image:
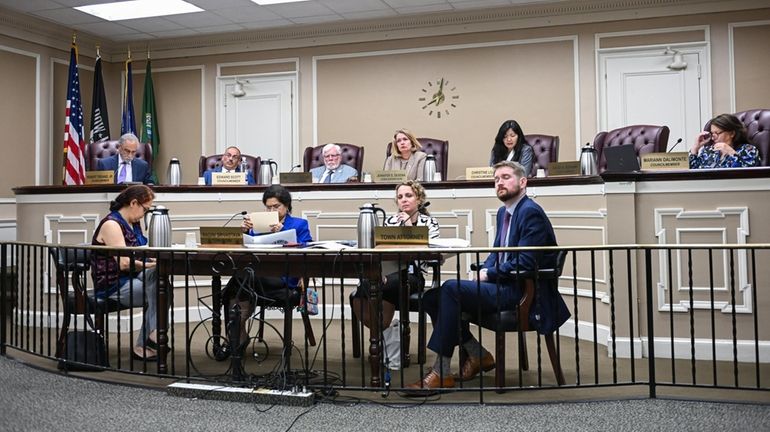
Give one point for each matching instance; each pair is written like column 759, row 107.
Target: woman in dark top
column 510, row 144
column 724, row 146
column 120, row 279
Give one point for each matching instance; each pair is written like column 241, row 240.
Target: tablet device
column 621, row 158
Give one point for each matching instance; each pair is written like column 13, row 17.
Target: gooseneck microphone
column 294, row 167
column 242, row 213
column 675, row 144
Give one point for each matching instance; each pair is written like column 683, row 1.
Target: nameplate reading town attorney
column 666, row 161
column 295, row 177
column 391, row 176
column 400, row 236
column 479, row 173
column 221, row 236
column 222, row 178
column 100, row 177
column 569, row 168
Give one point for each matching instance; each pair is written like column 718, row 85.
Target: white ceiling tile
column 73, row 3
column 302, row 9
column 348, row 6
column 67, row 16
column 136, row 54
column 150, row 25
column 220, row 28
column 29, row 5
column 198, row 19
column 174, row 33
column 105, row 28
column 247, row 14
column 255, row 25
column 211, row 5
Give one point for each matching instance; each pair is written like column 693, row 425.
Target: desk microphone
column 242, row 213
column 675, row 144
column 294, row 167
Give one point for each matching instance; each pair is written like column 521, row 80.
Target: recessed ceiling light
column 269, row 2
column 138, row 9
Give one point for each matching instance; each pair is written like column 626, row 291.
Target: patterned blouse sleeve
column 746, row 156
column 433, row 228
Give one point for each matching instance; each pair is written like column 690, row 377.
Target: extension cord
column 241, row 394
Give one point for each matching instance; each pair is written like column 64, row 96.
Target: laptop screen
column 621, row 158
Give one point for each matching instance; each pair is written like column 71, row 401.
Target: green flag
column 150, row 133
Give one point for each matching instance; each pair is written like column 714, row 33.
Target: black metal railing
column 656, row 317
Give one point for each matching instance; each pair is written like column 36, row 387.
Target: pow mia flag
column 100, row 124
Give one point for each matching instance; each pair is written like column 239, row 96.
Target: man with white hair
column 333, row 171
column 127, row 167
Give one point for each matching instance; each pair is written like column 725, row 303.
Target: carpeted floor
column 34, row 400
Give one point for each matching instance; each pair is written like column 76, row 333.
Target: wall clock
column 439, row 98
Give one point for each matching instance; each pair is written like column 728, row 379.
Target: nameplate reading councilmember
column 229, row 178
column 389, row 176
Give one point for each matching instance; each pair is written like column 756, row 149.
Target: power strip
column 241, row 394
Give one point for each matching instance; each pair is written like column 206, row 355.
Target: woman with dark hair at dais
column 511, row 145
column 725, row 145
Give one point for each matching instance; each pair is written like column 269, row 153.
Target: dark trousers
column 446, row 304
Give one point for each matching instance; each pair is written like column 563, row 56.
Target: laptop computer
column 621, row 158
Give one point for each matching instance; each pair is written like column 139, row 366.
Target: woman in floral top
column 725, row 146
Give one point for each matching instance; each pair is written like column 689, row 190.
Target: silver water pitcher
column 267, row 171
column 174, row 172
column 367, row 220
column 430, row 169
column 588, row 162
column 159, row 232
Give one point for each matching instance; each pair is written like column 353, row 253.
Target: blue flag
column 128, row 121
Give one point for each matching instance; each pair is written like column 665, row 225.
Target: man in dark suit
column 521, row 222
column 127, row 167
column 231, row 162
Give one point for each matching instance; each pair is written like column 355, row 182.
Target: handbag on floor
column 391, row 342
column 85, row 350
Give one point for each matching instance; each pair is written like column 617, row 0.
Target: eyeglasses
column 146, row 209
column 274, row 207
column 716, row 134
column 231, row 156
column 331, row 156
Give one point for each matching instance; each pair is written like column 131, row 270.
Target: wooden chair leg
column 308, row 329
column 555, row 361
column 523, row 357
column 499, row 361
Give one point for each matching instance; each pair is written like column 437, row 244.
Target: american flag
column 74, row 144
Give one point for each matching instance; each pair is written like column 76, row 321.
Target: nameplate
column 295, row 177
column 569, row 168
column 401, row 236
column 665, row 161
column 221, row 178
column 479, row 173
column 100, row 177
column 221, row 236
column 394, row 176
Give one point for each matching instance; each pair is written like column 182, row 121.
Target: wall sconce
column 238, row 91
column 678, row 63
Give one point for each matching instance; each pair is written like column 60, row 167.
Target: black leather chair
column 645, row 138
column 206, row 163
column 546, row 149
column 104, row 149
column 351, row 155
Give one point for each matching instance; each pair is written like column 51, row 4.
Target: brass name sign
column 100, row 177
column 569, row 168
column 295, row 177
column 666, row 161
column 394, row 176
column 479, row 173
column 221, row 236
column 401, row 236
column 221, row 178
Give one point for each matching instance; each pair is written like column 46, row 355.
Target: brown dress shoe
column 432, row 381
column 474, row 365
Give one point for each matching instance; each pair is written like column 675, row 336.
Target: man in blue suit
column 333, row 170
column 521, row 222
column 125, row 164
column 231, row 162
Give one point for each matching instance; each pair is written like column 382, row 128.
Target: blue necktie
column 122, row 173
column 329, row 177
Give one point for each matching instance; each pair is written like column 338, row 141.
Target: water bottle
column 243, row 164
column 160, row 227
column 430, row 169
column 367, row 220
column 174, row 172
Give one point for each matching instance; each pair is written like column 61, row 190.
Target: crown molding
column 34, row 30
